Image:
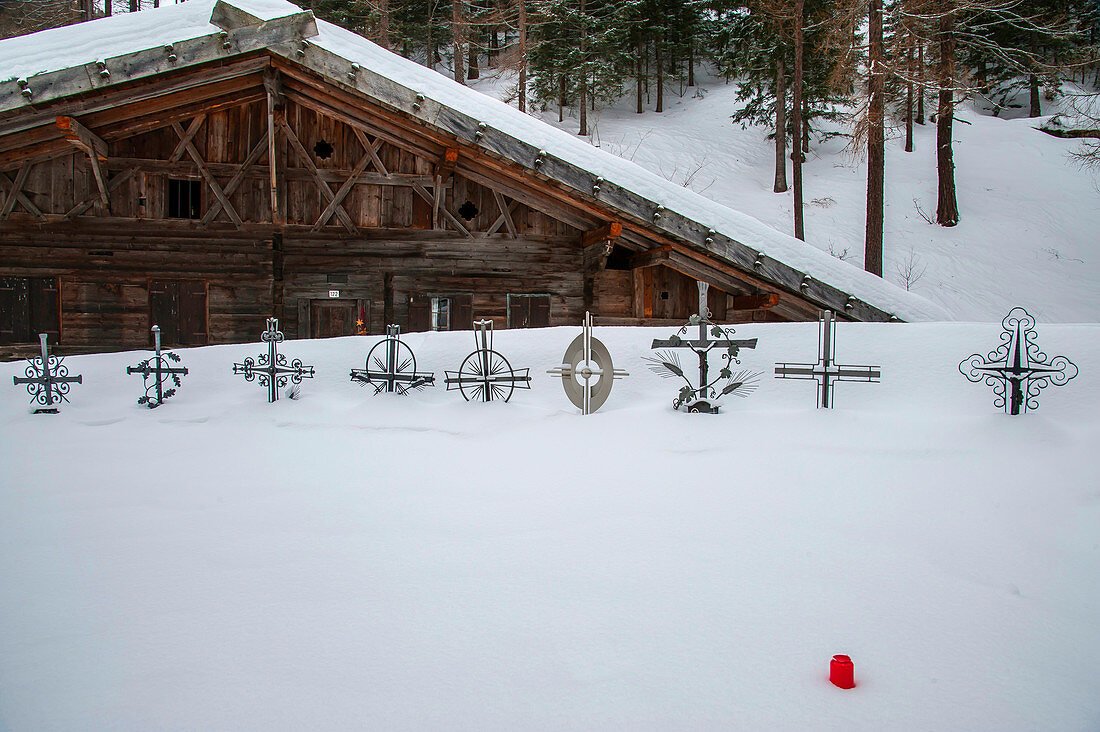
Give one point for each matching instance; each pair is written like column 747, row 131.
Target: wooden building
column 258, row 166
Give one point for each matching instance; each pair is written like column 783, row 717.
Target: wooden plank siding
column 360, row 218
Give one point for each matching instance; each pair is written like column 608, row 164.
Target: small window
column 467, row 210
column 183, row 199
column 441, row 313
column 323, row 149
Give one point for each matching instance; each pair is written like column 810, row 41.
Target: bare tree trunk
column 474, row 71
column 796, row 122
column 384, row 23
column 947, row 207
column 584, row 73
column 522, row 23
column 561, row 97
column 691, row 63
column 920, row 85
column 457, row 32
column 909, row 95
column 638, row 80
column 134, row 6
column 107, row 10
column 1036, row 106
column 659, row 60
column 876, row 141
column 780, row 126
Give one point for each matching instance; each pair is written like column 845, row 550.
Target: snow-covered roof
column 343, row 55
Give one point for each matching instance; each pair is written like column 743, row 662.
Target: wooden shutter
column 192, row 313
column 14, row 310
column 539, row 311
column 164, row 309
column 462, row 312
column 519, row 310
column 420, row 313
column 45, row 316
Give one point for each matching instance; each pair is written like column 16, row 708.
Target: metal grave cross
column 397, row 373
column 155, row 372
column 271, row 369
column 47, row 379
column 588, row 360
column 827, row 371
column 1017, row 370
column 694, row 397
column 485, row 374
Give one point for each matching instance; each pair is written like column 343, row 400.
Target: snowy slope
column 1030, row 216
column 344, row 561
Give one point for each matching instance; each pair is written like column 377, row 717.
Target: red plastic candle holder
column 841, row 672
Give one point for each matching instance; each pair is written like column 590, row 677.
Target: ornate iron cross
column 485, row 374
column 156, row 371
column 1017, row 370
column 47, row 379
column 397, row 373
column 695, row 398
column 587, row 372
column 271, row 368
column 826, row 371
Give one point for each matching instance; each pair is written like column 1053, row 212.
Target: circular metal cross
column 594, row 376
column 479, row 377
column 391, row 358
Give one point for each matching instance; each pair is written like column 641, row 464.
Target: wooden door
column 29, row 306
column 332, row 318
column 179, row 308
column 528, row 311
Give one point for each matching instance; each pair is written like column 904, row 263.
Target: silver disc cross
column 1017, row 370
column 271, row 369
column 156, row 371
column 827, row 371
column 486, row 375
column 699, row 398
column 587, row 372
column 47, row 379
column 391, row 366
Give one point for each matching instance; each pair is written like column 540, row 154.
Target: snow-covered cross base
column 1017, row 370
column 271, row 369
column 391, row 366
column 826, row 371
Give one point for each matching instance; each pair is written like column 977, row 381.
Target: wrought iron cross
column 47, row 379
column 397, row 373
column 271, row 369
column 827, row 371
column 587, row 372
column 156, row 371
column 485, row 374
column 1017, row 370
column 694, row 396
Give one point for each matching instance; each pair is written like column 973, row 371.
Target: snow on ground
column 1030, row 216
column 349, row 561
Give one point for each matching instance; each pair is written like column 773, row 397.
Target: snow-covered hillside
column 1030, row 228
column 348, row 561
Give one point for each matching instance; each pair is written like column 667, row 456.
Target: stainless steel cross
column 826, row 370
column 587, row 360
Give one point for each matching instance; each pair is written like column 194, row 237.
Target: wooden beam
column 304, row 156
column 505, row 214
column 185, row 138
column 650, row 257
column 82, row 138
column 423, row 193
column 762, row 301
column 16, row 193
column 606, row 233
column 273, row 96
column 446, row 163
column 87, row 203
column 343, row 192
column 238, row 178
column 371, row 148
column 207, row 175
